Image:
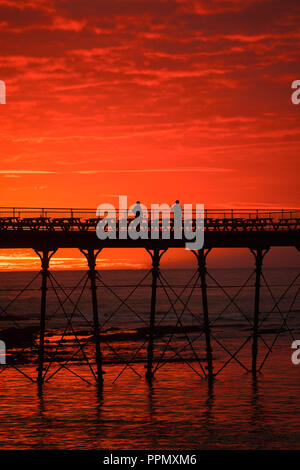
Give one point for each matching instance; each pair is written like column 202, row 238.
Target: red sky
column 154, row 99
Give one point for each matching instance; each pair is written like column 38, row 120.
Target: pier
column 46, row 230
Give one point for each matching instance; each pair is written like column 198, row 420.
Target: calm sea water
column 180, row 410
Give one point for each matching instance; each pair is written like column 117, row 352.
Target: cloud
column 26, row 172
column 193, row 88
column 156, row 170
column 26, row 188
column 23, row 260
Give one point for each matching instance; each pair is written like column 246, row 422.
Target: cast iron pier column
column 91, row 256
column 259, row 255
column 156, row 256
column 45, row 257
column 201, row 258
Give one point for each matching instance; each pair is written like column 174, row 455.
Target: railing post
column 259, row 255
column 45, row 256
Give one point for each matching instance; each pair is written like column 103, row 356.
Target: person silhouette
column 137, row 209
column 177, row 210
column 139, row 225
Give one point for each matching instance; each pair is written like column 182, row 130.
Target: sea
column 180, row 408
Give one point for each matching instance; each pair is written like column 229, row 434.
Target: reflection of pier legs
column 156, row 256
column 201, row 258
column 45, row 256
column 259, row 255
column 91, row 256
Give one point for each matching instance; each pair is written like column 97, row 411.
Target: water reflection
column 256, row 402
column 209, row 404
column 176, row 411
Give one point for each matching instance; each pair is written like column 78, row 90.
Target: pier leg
column 259, row 255
column 155, row 273
column 201, row 257
column 45, row 256
column 91, row 256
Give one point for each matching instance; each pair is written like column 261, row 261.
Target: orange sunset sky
column 154, row 99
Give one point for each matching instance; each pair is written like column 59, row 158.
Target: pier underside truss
column 191, row 323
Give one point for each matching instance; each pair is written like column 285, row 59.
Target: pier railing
column 76, row 219
column 88, row 213
column 84, row 220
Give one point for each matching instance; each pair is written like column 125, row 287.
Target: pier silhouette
column 46, row 230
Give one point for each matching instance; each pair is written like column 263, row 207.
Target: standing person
column 137, row 209
column 139, row 225
column 177, row 210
